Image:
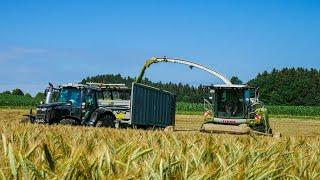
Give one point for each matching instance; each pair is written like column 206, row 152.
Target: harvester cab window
column 72, row 95
column 229, row 103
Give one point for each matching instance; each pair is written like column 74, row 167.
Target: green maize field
column 273, row 110
column 24, row 101
column 17, row 101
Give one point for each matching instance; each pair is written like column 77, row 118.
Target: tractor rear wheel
column 106, row 120
column 69, row 121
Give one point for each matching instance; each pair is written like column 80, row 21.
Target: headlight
column 41, row 109
column 258, row 117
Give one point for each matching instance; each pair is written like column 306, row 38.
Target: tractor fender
column 98, row 113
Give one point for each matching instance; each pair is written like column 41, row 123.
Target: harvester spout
column 191, row 64
column 146, row 65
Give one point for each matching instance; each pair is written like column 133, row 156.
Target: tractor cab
column 73, row 104
column 68, row 101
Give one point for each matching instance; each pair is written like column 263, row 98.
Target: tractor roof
column 232, row 86
column 75, row 85
column 108, row 86
column 97, row 86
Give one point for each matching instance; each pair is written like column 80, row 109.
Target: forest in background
column 288, row 87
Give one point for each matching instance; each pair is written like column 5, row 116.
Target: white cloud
column 12, row 53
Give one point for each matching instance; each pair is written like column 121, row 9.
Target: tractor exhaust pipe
column 49, row 94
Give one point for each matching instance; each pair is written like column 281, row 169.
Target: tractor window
column 125, row 95
column 99, row 95
column 229, row 103
column 90, row 99
column 121, row 95
column 107, row 95
column 72, row 95
column 116, row 95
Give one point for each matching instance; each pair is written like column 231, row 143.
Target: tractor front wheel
column 69, row 121
column 106, row 120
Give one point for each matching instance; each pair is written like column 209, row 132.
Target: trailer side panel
column 152, row 107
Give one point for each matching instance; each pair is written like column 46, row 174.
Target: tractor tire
column 71, row 122
column 106, row 120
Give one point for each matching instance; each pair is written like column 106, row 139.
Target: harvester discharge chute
column 229, row 108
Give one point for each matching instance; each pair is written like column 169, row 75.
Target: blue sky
column 65, row 41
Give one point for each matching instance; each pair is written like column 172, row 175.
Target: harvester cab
column 235, row 105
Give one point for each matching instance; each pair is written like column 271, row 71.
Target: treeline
column 289, row 86
column 17, row 97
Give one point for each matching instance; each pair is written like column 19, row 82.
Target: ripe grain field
column 59, row 152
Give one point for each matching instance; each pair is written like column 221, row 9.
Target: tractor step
column 230, row 129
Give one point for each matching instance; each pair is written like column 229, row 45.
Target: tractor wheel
column 106, row 120
column 69, row 122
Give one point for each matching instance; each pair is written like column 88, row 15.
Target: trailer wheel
column 68, row 121
column 107, row 120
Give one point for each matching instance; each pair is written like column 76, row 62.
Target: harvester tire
column 261, row 128
column 106, row 120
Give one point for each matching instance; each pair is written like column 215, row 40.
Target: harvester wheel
column 106, row 121
column 261, row 128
